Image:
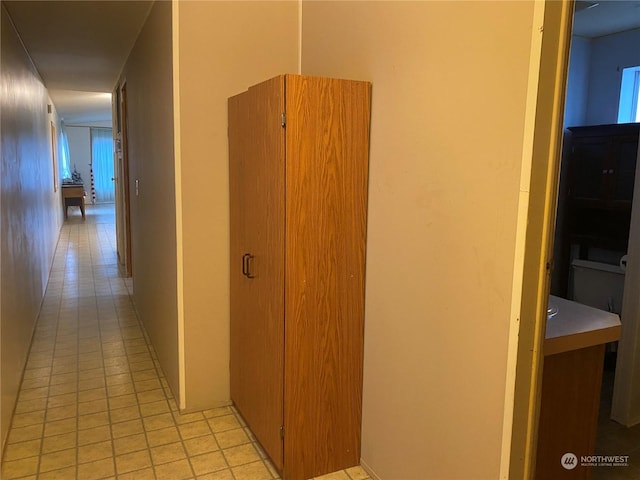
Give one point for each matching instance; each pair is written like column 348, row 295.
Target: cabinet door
column 590, row 165
column 626, row 154
column 256, row 168
column 604, row 170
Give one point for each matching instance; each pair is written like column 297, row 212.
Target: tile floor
column 614, row 438
column 94, row 403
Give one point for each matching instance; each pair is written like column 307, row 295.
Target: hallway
column 94, row 403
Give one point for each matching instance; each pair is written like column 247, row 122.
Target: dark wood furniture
column 597, row 193
column 298, row 163
column 73, row 196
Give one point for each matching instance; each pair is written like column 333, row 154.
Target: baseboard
column 626, row 422
column 369, row 470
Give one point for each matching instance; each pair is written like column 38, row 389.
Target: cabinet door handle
column 249, row 258
column 246, row 265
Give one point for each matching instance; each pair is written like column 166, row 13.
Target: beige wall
column 223, row 48
column 30, row 211
column 449, row 103
column 148, row 76
column 448, row 134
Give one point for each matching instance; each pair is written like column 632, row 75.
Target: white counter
column 578, row 326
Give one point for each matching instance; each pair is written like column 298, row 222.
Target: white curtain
column 102, row 164
column 65, row 163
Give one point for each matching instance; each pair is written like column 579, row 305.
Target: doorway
column 597, row 211
column 542, row 209
column 122, row 197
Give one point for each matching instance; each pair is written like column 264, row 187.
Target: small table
column 73, row 196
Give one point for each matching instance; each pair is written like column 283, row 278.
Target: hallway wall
column 187, row 241
column 148, row 75
column 449, row 104
column 447, row 150
column 30, row 210
column 223, row 47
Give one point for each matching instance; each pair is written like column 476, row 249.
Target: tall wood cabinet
column 595, row 197
column 298, row 165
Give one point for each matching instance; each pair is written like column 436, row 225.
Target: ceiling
column 80, row 47
column 596, row 18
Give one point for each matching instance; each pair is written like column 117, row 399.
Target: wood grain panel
column 569, row 411
column 327, row 139
column 256, row 153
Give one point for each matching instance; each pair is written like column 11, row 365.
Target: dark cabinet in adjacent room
column 298, row 166
column 602, row 165
column 595, row 198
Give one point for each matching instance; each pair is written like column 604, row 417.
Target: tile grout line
column 54, row 350
column 55, row 336
column 104, row 372
column 46, row 406
column 77, row 279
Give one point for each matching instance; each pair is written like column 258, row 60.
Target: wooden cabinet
column 574, row 349
column 603, row 164
column 569, row 405
column 298, row 165
column 595, row 198
column 601, row 183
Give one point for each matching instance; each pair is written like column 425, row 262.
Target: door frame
column 122, row 195
column 541, row 215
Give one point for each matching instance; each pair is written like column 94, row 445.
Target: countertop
column 578, row 326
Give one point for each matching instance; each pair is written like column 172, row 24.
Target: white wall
column 609, row 55
column 625, row 406
column 578, row 82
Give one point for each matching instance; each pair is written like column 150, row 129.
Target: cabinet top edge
column 292, row 76
column 320, row 77
column 613, row 127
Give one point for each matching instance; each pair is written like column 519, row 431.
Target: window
column 629, row 108
column 65, row 162
column 102, row 165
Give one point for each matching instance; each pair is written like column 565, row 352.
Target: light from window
column 629, row 107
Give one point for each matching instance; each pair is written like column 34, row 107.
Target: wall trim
column 175, row 35
column 521, row 232
column 543, row 181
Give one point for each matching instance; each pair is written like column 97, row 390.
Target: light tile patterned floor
column 94, row 403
